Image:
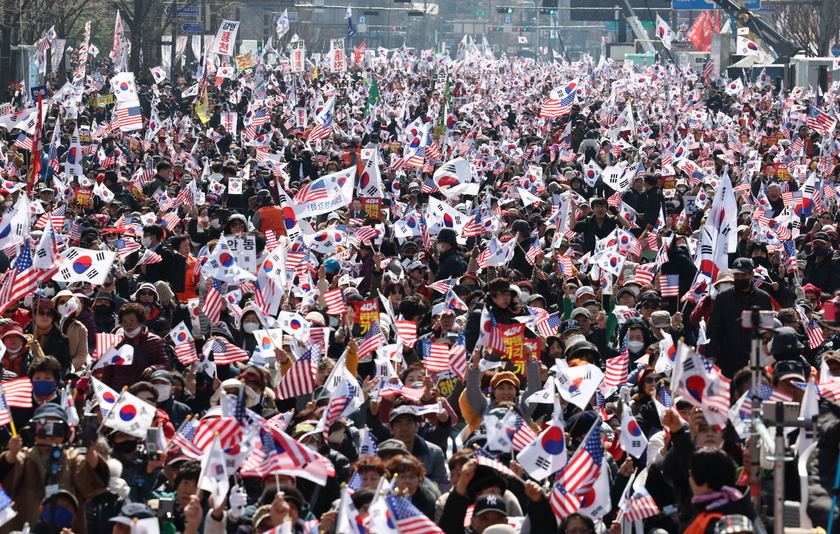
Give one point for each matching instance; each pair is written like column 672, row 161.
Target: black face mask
column 125, row 447
column 742, row 285
column 761, row 260
column 682, row 250
column 102, row 309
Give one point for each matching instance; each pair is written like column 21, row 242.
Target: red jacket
column 149, row 352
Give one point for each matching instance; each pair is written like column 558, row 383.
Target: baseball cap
column 784, row 369
column 584, row 290
column 490, row 503
column 50, row 410
column 742, row 265
column 821, row 236
column 415, row 265
column 161, row 374
column 785, row 341
column 581, row 311
column 331, row 265
column 391, row 446
column 660, row 319
column 132, row 511
column 571, row 324
column 406, row 409
column 441, row 308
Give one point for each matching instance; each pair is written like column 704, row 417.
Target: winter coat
column 149, row 352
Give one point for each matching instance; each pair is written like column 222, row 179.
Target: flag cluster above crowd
column 399, row 292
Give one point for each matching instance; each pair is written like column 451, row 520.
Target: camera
column 152, row 452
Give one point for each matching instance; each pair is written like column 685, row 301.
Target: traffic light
column 495, row 28
column 545, row 11
column 521, row 29
column 397, row 28
column 504, row 10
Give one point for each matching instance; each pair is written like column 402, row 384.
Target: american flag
column 185, row 436
column 407, row 331
column 814, row 332
column 367, row 233
column 665, row 398
column 224, row 352
column 708, row 70
column 171, row 220
column 75, row 232
column 270, row 240
column 669, row 285
column 212, row 306
column 18, row 392
column 312, row 192
column 562, row 502
column 408, row 519
column 185, row 352
column 5, row 414
column 389, row 389
column 769, row 393
column 299, row 380
column 523, row 435
column 579, row 475
column 819, row 120
column 126, row 247
column 340, row 400
column 458, row 356
column 640, row 506
column 438, row 357
column 336, row 304
column 790, row 252
column 23, row 278
column 368, row 447
column 228, row 428
column 487, row 459
column 534, row 250
column 150, row 257
column 548, row 324
column 618, row 368
column 129, row 116
column 104, row 342
column 645, row 273
column 24, row 142
column 57, row 218
column 371, row 341
column 443, row 285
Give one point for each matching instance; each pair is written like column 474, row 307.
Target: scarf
column 42, row 333
column 717, row 499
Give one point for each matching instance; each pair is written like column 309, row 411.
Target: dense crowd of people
column 425, row 294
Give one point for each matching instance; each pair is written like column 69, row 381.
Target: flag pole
column 11, row 421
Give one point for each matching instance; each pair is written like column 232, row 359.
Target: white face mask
column 635, row 346
column 440, row 248
column 164, row 392
column 249, row 328
column 205, row 219
column 724, row 286
column 146, row 242
column 215, row 224
column 132, row 333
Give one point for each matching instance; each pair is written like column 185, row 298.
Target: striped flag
column 126, row 247
column 458, row 356
column 18, row 392
column 300, row 379
column 5, row 414
column 407, row 331
column 523, row 435
column 389, row 389
column 814, row 332
column 224, row 352
column 184, row 438
column 129, row 117
column 408, row 519
column 186, row 353
column 669, row 285
column 212, row 306
column 228, row 429
column 819, row 120
column 618, row 368
column 438, row 359
column 336, row 305
column 640, row 506
column 443, row 285
column 579, row 475
column 371, row 341
column 22, row 279
column 149, row 257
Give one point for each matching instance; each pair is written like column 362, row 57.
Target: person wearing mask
column 69, row 307
column 149, row 352
column 45, row 375
column 104, row 312
column 599, row 224
column 156, row 315
column 46, row 337
column 164, row 384
column 269, row 216
column 450, row 264
column 521, row 232
column 25, row 478
column 729, row 343
column 822, row 266
column 166, row 268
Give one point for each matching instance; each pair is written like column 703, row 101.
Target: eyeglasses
column 650, row 305
column 237, row 224
column 43, row 312
column 145, row 294
column 650, row 380
column 396, row 292
column 825, row 217
column 407, row 476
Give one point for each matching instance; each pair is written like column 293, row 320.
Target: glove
column 237, row 500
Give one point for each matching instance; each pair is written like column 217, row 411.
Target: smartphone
column 166, row 508
column 152, row 452
column 88, row 430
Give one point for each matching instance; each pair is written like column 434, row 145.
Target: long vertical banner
column 338, row 62
column 226, row 38
column 297, row 56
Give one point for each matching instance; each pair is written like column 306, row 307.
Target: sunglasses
column 237, row 224
column 650, row 380
column 396, row 292
column 145, row 294
column 650, row 306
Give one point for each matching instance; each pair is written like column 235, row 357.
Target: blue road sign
column 362, row 20
column 699, row 5
column 293, row 17
column 192, row 28
column 184, row 12
column 508, row 20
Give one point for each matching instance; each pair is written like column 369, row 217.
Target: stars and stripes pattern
column 669, row 285
column 458, row 356
column 5, row 413
column 640, row 506
column 186, row 353
column 21, row 280
column 129, row 117
column 371, row 341
column 228, row 429
column 409, row 519
column 438, row 356
column 313, row 192
column 18, row 392
column 224, row 352
column 820, row 121
column 389, row 389
column 618, row 368
column 407, row 331
column 523, row 435
column 336, row 305
column 212, row 306
column 300, row 379
column 814, row 332
column 184, row 438
column 579, row 475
